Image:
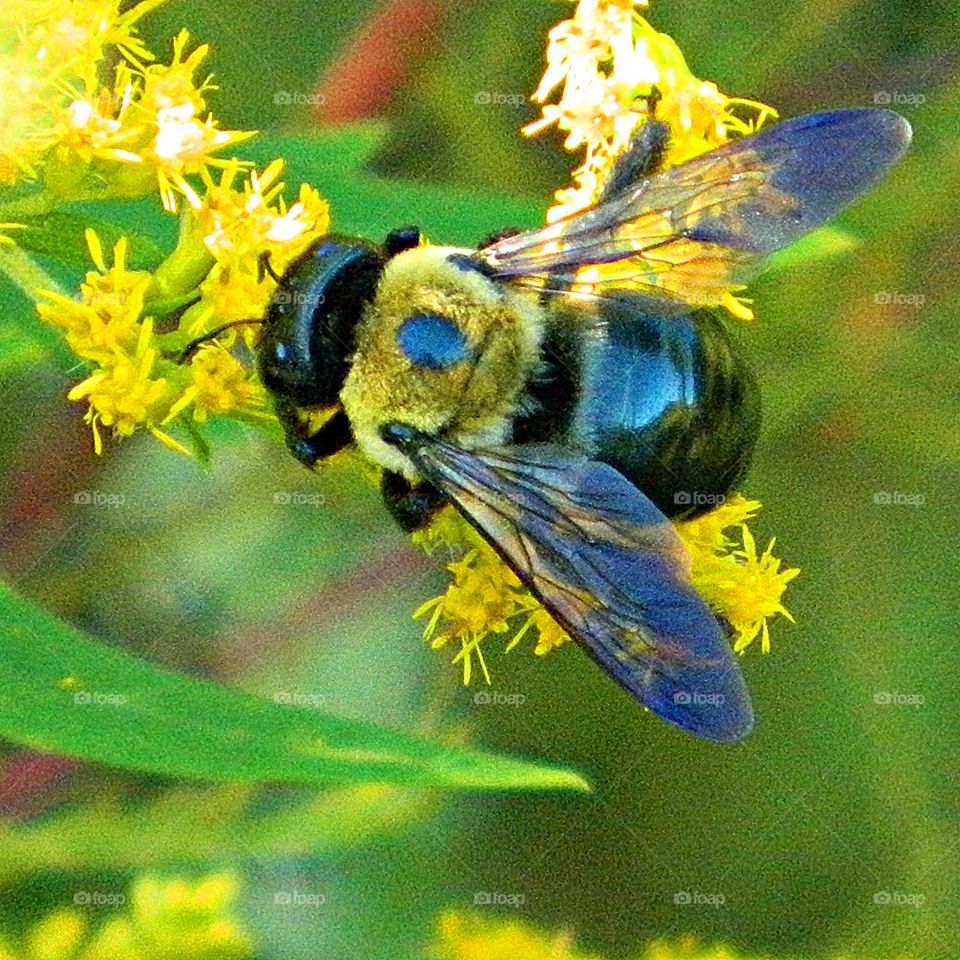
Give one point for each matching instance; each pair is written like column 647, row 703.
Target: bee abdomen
column 656, row 389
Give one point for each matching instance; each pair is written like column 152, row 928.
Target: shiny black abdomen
column 656, row 389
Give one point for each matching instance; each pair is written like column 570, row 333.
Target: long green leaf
column 64, row 693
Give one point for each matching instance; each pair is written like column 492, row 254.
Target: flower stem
column 178, row 277
column 25, row 273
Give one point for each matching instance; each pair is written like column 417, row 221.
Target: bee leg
column 411, row 505
column 309, row 447
column 503, row 234
column 642, row 158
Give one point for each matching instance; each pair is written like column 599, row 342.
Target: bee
column 566, row 389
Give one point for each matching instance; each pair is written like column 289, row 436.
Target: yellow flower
column 56, row 937
column 707, row 531
column 136, row 382
column 160, row 920
column 103, row 324
column 550, row 634
column 177, row 919
column 469, row 937
column 745, row 587
column 239, row 228
column 242, row 224
column 616, row 73
column 485, row 597
column 123, row 395
column 220, row 385
column 689, row 948
column 52, row 63
column 72, row 35
column 461, row 936
column 182, row 140
column 99, row 125
column 446, row 529
column 26, row 128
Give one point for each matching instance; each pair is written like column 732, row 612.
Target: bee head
column 442, row 348
column 304, row 349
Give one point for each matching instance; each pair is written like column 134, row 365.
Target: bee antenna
column 191, row 348
column 265, row 269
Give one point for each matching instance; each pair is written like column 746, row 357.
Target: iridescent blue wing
column 608, row 566
column 701, row 229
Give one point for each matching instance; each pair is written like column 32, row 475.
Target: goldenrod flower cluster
column 156, row 920
column 144, row 130
column 741, row 585
column 87, row 138
column 616, row 73
column 485, row 598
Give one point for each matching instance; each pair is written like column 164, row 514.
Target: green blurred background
column 836, row 797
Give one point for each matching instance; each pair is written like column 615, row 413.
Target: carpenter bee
column 563, row 389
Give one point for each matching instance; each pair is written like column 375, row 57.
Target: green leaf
column 62, row 235
column 198, row 442
column 820, row 245
column 16, row 349
column 24, row 338
column 65, row 693
column 347, row 148
column 368, row 205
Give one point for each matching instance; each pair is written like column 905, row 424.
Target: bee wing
column 609, row 567
column 698, row 230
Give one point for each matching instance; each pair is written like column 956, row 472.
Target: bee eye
column 432, row 341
